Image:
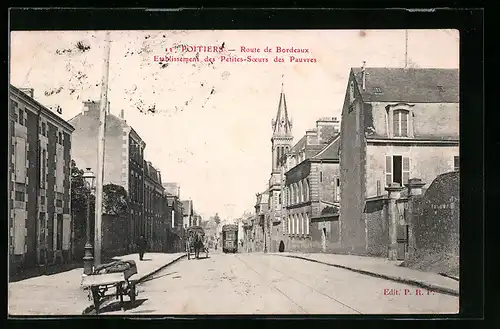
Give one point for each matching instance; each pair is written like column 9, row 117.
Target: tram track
column 273, row 268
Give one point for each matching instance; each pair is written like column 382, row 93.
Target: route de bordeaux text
column 292, row 52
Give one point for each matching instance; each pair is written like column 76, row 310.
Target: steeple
column 282, row 125
column 282, row 134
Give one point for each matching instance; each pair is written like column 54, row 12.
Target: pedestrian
column 142, row 245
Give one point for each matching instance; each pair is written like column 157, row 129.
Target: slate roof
column 413, row 85
column 330, row 151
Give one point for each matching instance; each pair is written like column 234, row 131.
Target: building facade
column 156, row 220
column 40, row 144
column 312, row 194
column 124, row 158
column 175, row 219
column 188, row 214
column 396, row 124
column 260, row 236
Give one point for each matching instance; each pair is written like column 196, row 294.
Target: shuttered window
column 406, row 170
column 20, row 164
column 388, row 170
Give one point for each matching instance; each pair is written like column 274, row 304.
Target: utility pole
column 406, row 49
column 100, row 153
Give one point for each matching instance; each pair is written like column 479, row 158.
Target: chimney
column 363, row 74
column 92, row 107
column 28, row 91
column 327, row 128
column 312, row 137
column 122, row 114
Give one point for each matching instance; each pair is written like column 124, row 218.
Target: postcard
column 195, row 172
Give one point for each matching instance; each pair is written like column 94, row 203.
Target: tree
column 330, row 210
column 80, row 193
column 114, row 200
column 217, row 219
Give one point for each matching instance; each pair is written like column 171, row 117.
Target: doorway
column 397, row 164
column 323, row 239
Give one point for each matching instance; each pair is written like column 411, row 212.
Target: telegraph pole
column 100, row 153
column 406, row 49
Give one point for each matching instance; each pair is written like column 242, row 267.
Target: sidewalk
column 62, row 293
column 383, row 268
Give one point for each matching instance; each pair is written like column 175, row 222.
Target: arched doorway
column 282, row 246
column 323, row 239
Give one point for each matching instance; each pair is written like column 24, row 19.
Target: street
column 266, row 284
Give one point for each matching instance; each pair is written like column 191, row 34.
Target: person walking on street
column 142, row 246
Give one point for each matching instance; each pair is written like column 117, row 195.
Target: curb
column 90, row 309
column 430, row 287
column 147, row 276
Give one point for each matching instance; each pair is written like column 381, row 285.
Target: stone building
column 39, row 145
column 310, row 185
column 396, row 123
column 175, row 219
column 124, row 158
column 260, row 238
column 156, row 220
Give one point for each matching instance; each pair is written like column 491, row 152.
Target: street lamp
column 88, row 258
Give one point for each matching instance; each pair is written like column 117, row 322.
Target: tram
column 230, row 238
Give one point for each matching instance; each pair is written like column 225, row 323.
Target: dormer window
column 440, row 88
column 400, row 123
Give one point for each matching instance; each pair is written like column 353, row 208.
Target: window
column 307, row 224
column 21, row 117
column 320, row 176
column 440, row 88
column 400, row 123
column 456, row 163
column 44, row 129
column 43, row 168
column 377, row 90
column 397, row 170
column 60, row 138
column 308, row 196
column 20, row 196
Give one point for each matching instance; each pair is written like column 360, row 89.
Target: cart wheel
column 95, row 297
column 132, row 292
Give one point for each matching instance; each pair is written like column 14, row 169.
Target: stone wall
column 377, row 223
column 435, row 220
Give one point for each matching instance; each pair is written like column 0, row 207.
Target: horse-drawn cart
column 195, row 241
column 102, row 280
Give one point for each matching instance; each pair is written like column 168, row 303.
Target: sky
column 207, row 126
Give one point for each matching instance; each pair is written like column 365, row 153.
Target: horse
column 198, row 244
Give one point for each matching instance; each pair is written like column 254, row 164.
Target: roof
column 414, row 85
column 299, row 145
column 44, row 109
column 282, row 124
column 330, row 151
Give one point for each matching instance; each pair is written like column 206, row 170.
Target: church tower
column 281, row 143
column 282, row 138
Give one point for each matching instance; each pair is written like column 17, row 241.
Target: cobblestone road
column 266, row 284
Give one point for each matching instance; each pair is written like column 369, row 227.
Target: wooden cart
column 99, row 284
column 190, row 247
